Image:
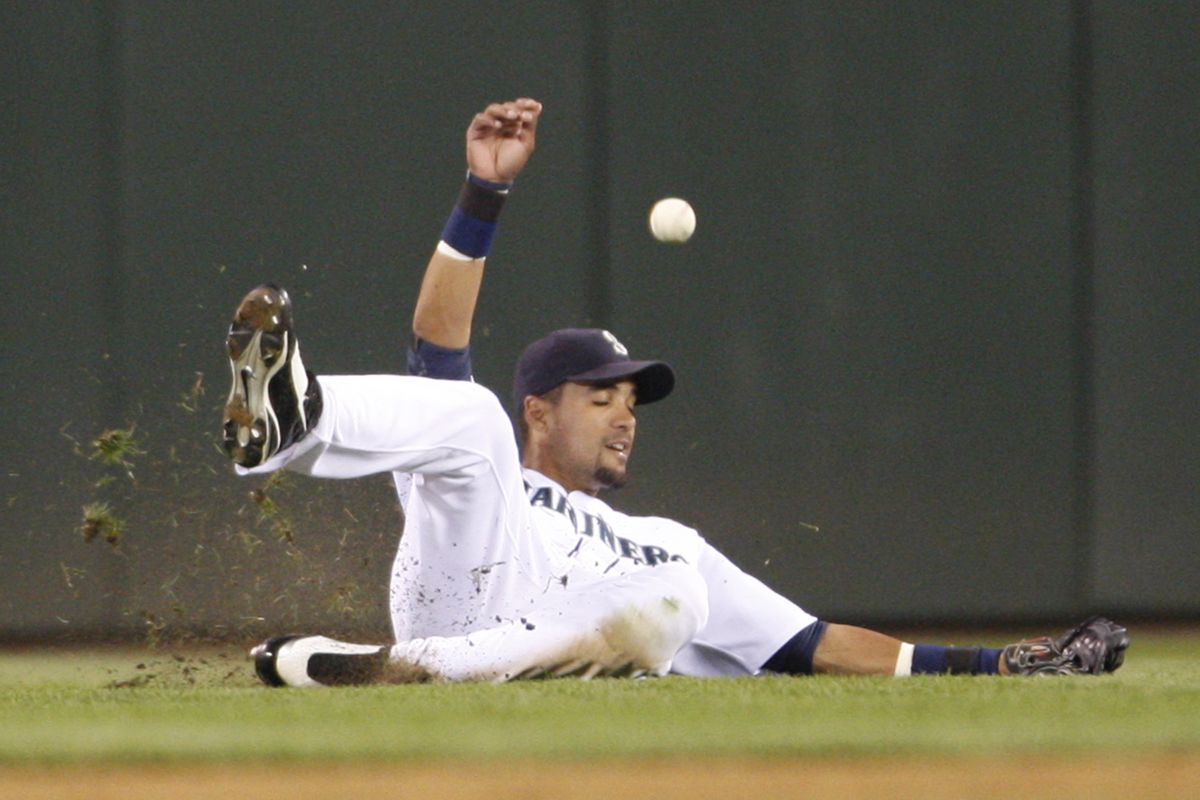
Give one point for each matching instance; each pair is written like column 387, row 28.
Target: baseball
column 672, row 220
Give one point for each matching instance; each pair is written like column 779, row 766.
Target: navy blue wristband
column 429, row 360
column 470, row 236
column 472, row 224
column 936, row 659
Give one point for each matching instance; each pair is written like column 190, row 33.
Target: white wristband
column 904, row 660
column 450, row 252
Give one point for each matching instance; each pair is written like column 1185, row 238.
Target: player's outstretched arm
column 1095, row 646
column 500, row 141
column 848, row 650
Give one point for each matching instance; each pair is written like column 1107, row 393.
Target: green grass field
column 124, row 724
column 129, row 706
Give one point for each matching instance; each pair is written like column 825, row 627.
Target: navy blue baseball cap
column 591, row 356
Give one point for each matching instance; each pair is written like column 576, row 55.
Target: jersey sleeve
column 747, row 621
column 428, row 360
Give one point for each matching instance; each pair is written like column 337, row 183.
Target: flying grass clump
column 117, row 447
column 269, row 511
column 100, row 522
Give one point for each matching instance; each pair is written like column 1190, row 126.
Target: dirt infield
column 878, row 778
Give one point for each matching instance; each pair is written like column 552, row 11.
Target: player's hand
column 501, row 139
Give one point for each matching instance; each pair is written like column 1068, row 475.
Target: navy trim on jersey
column 796, row 657
column 433, row 361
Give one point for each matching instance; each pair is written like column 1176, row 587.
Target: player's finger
column 505, row 114
column 528, row 107
column 481, row 125
column 516, row 114
column 486, row 120
column 495, row 116
column 531, row 111
column 500, row 110
column 509, row 119
column 518, row 119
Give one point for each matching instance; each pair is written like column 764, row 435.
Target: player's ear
column 534, row 409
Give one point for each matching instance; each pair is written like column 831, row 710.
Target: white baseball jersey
column 487, row 544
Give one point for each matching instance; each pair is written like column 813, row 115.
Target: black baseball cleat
column 274, row 400
column 303, row 661
column 1095, row 646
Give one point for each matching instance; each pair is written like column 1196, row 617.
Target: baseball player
column 510, row 564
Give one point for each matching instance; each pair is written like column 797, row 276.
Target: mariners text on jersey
column 594, row 526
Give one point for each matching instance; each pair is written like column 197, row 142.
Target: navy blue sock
column 932, row 658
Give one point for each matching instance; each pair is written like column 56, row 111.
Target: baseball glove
column 1094, row 646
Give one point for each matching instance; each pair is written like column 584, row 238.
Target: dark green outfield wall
column 936, row 333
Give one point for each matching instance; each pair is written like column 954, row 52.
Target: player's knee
column 671, row 606
column 686, row 590
column 493, row 430
column 675, row 598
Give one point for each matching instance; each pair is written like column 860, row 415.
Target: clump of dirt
column 221, row 668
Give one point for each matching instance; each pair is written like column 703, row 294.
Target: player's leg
column 626, row 626
column 467, row 527
column 633, row 624
column 280, row 415
column 374, row 424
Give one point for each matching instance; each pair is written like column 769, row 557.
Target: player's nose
column 625, row 420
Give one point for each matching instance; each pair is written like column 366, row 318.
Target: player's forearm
column 846, row 650
column 450, row 288
column 446, row 303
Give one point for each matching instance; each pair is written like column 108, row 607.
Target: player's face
column 589, row 436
